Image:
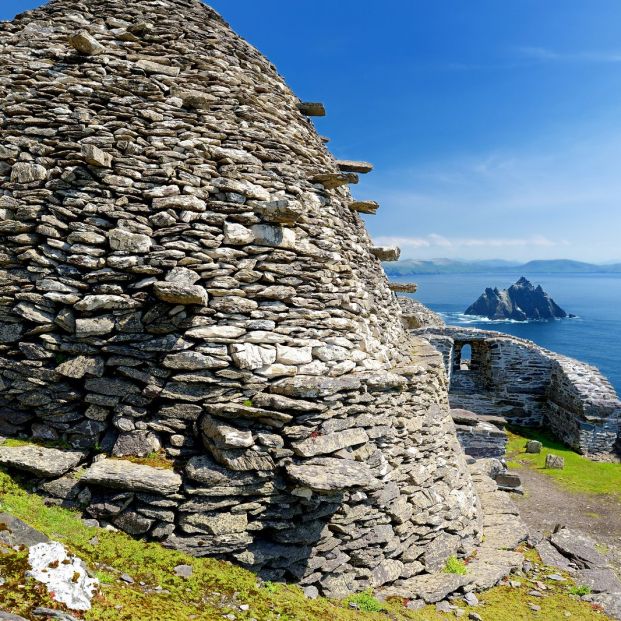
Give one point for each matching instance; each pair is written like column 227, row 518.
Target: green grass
column 365, row 602
column 579, row 475
column 16, row 442
column 455, row 566
column 579, row 590
column 216, row 588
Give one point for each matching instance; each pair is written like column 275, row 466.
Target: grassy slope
column 216, row 588
column 579, row 475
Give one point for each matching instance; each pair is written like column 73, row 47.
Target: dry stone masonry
column 530, row 386
column 185, row 277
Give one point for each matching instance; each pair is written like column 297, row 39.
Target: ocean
column 594, row 336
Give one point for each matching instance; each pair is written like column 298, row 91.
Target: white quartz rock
column 65, row 576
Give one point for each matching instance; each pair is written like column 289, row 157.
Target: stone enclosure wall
column 195, row 332
column 530, row 386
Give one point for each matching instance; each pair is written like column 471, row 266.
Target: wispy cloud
column 441, row 242
column 558, row 197
column 543, row 54
column 527, row 56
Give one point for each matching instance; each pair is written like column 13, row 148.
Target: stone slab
column 41, row 461
column 14, row 532
column 122, row 474
column 579, row 548
column 330, row 475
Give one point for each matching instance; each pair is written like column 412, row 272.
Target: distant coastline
column 409, row 267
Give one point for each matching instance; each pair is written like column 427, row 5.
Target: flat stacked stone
column 527, row 384
column 182, row 273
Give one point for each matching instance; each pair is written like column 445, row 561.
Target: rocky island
column 521, row 301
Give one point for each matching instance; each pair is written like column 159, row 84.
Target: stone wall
column 191, row 303
column 416, row 315
column 530, row 386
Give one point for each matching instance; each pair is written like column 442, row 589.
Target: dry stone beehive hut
column 184, row 272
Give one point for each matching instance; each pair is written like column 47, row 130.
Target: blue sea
column 594, row 336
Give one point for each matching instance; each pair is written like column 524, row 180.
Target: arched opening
column 465, row 358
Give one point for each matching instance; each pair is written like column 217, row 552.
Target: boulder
column 186, row 203
column 331, row 181
column 386, row 253
column 7, row 616
column 555, row 462
column 225, row 435
column 368, row 207
column 28, row 172
column 104, row 302
column 599, row 580
column 149, row 66
column 431, row 588
column 355, row 167
column 78, row 367
column 237, row 234
column 534, row 446
column 312, row 108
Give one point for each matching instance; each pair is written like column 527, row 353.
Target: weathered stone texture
column 530, row 386
column 181, row 269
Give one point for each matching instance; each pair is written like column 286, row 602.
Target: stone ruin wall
column 182, row 272
column 530, row 386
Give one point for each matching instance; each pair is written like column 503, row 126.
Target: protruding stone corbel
column 282, row 211
column 355, row 167
column 312, row 108
column 84, row 43
column 386, row 253
column 198, row 100
column 369, row 207
column 95, row 156
column 330, row 181
column 403, row 287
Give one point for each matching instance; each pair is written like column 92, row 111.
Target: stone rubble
column 573, row 552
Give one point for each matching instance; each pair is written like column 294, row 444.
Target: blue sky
column 495, row 126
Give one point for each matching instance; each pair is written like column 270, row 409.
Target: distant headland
column 410, row 267
column 520, row 302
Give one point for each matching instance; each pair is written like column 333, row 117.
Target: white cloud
column 515, row 204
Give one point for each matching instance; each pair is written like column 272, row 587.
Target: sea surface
column 594, row 336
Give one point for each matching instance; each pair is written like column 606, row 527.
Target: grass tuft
column 365, row 602
column 454, row 565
